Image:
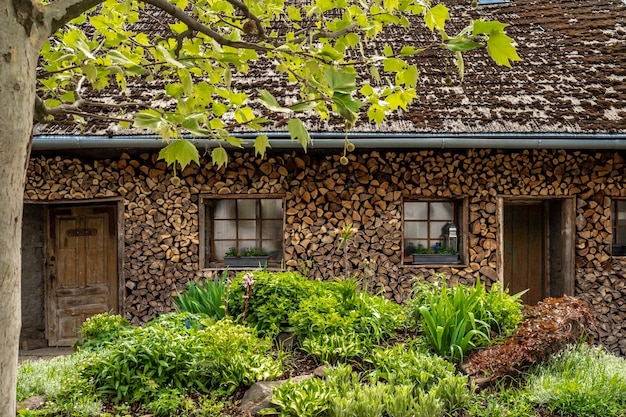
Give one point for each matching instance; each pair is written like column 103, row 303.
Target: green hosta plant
column 308, row 398
column 334, row 347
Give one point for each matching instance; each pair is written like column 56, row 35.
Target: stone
column 259, row 395
column 32, row 403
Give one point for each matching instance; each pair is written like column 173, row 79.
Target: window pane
column 273, row 248
column 246, row 209
column 442, row 211
column 415, row 211
column 272, row 209
column 222, row 246
column 410, row 246
column 247, row 229
column 225, row 229
column 436, row 230
column 272, row 229
column 225, row 209
column 414, row 230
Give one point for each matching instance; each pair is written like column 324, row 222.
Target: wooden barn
column 519, row 174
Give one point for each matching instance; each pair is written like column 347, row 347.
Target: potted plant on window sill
column 435, row 255
column 249, row 258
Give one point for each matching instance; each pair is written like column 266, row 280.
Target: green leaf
column 181, row 151
column 148, row 119
column 269, row 101
column 294, row 14
column 330, row 52
column 462, row 44
column 376, row 112
column 244, row 114
column 235, row 141
column 298, row 132
column 501, row 49
column 219, row 157
column 437, row 17
column 408, row 77
column 340, row 81
column 481, row 27
column 261, row 144
column 91, row 72
column 394, row 64
column 192, row 125
column 169, row 58
column 303, row 106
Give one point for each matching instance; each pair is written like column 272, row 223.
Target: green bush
column 176, row 352
column 209, row 298
column 268, row 301
column 338, row 322
column 502, row 310
column 101, row 329
column 456, row 320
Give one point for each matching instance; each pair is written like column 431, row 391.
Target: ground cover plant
column 380, row 359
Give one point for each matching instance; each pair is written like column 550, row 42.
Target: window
column 427, row 225
column 619, row 227
column 244, row 223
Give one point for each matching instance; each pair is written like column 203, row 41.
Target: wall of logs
column 162, row 221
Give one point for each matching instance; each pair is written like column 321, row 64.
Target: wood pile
column 162, row 221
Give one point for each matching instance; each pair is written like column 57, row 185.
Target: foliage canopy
column 182, row 68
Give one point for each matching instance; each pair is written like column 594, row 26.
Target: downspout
column 367, row 140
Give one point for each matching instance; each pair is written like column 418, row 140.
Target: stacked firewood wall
column 162, row 220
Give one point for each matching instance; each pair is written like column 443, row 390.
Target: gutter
column 362, row 140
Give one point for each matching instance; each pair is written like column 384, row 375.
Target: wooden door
column 524, row 251
column 82, row 269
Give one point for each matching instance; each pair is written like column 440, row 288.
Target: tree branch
column 58, row 13
column 195, row 25
column 42, row 111
column 260, row 31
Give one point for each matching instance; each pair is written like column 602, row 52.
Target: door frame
column 118, row 204
column 567, row 217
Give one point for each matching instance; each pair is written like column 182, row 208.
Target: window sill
column 223, row 267
column 416, row 266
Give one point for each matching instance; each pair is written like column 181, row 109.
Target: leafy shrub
column 168, row 354
column 272, row 298
column 340, row 322
column 209, row 298
column 101, row 329
column 458, row 319
column 582, row 381
column 502, row 310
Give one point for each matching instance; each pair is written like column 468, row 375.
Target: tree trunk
column 18, row 60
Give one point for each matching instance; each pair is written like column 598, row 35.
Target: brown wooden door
column 82, row 269
column 524, row 253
